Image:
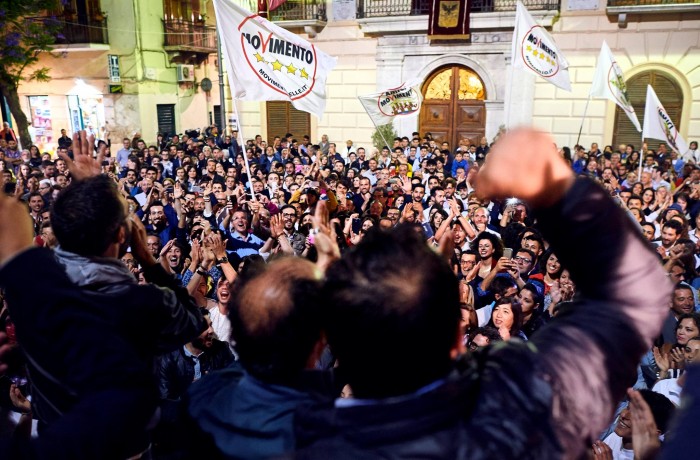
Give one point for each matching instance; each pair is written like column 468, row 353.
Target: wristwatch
column 202, row 272
column 223, row 260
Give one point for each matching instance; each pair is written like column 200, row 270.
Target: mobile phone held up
column 508, row 253
column 356, row 226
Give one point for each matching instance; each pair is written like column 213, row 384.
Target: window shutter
column 283, row 118
column 669, row 94
column 166, row 119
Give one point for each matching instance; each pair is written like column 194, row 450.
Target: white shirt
column 618, row 452
column 220, row 324
column 670, row 389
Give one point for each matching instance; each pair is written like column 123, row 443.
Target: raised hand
column 166, row 248
column 662, row 359
column 216, row 245
column 525, row 163
column 276, row 226
column 446, row 245
column 645, row 433
column 19, row 400
column 139, row 248
column 325, row 238
column 16, row 229
column 83, row 165
column 196, row 253
column 602, row 451
column 678, row 357
column 178, row 192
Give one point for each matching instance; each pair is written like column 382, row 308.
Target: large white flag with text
column 609, row 83
column 535, row 51
column 402, row 101
column 268, row 63
column 658, row 125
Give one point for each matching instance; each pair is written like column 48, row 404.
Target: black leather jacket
column 176, row 369
column 547, row 398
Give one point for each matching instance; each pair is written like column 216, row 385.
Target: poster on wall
column 343, row 10
column 42, row 129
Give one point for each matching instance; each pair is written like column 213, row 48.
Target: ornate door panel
column 453, row 106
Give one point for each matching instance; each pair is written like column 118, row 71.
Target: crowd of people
column 243, row 299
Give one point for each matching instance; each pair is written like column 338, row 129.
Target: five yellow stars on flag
column 277, row 66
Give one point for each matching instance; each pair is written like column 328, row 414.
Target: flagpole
column 641, row 159
column 585, row 110
column 509, row 94
column 245, row 153
column 381, row 135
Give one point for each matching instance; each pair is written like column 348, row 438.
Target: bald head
column 276, row 319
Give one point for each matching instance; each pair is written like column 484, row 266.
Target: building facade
column 141, row 66
column 470, row 87
column 125, row 67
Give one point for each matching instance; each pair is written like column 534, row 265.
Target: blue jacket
column 247, row 418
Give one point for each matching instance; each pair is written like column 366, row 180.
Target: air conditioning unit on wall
column 185, row 72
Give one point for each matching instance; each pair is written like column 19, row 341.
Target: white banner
column 609, row 83
column 658, row 125
column 402, row 101
column 268, row 63
column 535, row 51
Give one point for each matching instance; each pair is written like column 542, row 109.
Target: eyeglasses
column 522, row 259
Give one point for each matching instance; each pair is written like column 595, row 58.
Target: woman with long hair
column 552, row 270
column 507, row 317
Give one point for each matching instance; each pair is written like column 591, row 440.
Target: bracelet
column 223, row 260
column 201, row 272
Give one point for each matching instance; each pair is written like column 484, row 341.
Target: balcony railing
column 383, row 8
column 74, row 31
column 300, row 10
column 189, row 36
column 614, row 3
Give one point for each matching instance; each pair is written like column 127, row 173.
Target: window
column 182, row 10
column 670, row 95
column 283, row 118
column 166, row 119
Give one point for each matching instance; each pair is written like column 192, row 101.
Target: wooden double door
column 453, row 106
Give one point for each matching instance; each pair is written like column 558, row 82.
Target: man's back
column 80, row 364
column 490, row 407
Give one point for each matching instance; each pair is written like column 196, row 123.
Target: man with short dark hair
column 397, row 350
column 240, row 239
column 670, row 233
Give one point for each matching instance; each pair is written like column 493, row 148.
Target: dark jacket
column 156, row 317
column 549, row 398
column 92, row 391
column 245, row 418
column 176, row 369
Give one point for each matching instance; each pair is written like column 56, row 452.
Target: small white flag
column 658, row 125
column 402, row 101
column 268, row 63
column 535, row 51
column 609, row 83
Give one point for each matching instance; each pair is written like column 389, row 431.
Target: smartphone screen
column 427, row 230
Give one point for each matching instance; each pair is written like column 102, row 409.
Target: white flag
column 535, row 51
column 384, row 106
column 609, row 83
column 268, row 63
column 658, row 125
